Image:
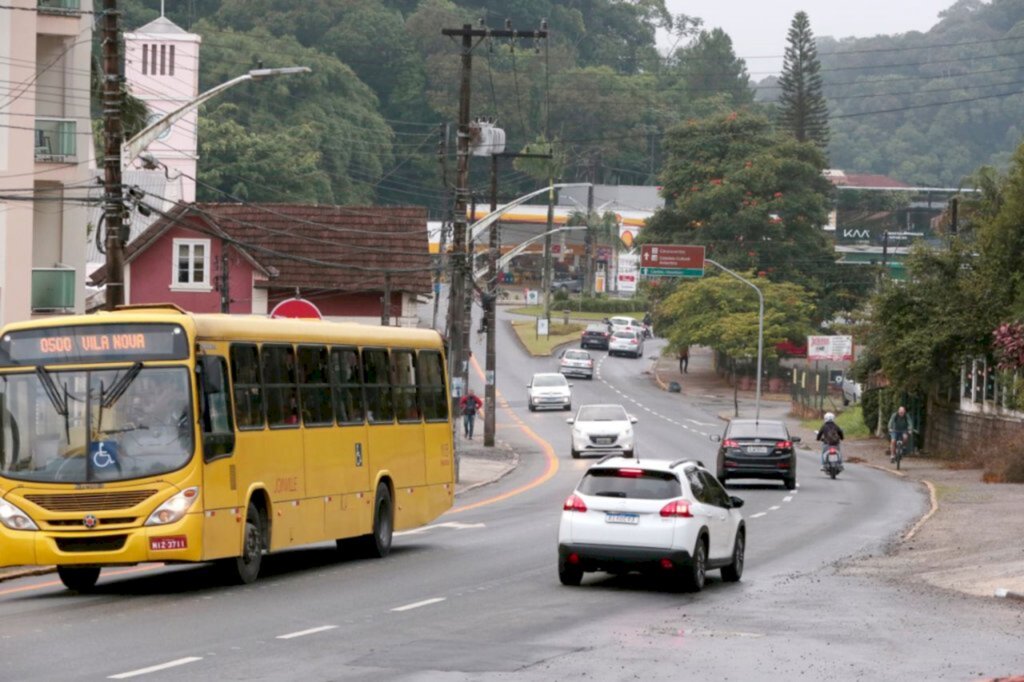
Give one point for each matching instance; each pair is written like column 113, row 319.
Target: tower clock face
column 153, row 118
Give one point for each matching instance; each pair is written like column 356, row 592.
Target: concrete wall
column 949, row 431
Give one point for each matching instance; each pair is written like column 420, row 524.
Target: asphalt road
column 476, row 596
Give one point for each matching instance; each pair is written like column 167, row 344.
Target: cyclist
column 831, row 435
column 900, row 428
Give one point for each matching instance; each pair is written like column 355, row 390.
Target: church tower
column 162, row 69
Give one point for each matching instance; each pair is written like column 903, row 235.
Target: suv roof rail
column 685, row 460
column 607, row 457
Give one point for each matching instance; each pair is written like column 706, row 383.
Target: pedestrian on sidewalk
column 470, row 404
column 684, row 359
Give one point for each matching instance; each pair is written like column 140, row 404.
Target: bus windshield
column 83, row 426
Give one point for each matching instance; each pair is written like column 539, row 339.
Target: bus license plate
column 168, row 542
column 631, row 519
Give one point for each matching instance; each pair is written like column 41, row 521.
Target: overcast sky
column 758, row 27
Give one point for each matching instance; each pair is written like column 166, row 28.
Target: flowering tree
column 1008, row 344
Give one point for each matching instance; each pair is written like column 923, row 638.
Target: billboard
column 833, row 348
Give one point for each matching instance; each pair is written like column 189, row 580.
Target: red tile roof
column 344, row 248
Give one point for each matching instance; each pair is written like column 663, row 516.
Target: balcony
column 53, row 290
column 56, row 140
column 59, row 6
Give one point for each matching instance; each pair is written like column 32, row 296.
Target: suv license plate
column 631, row 519
column 757, row 450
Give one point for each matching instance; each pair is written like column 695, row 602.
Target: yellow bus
column 149, row 434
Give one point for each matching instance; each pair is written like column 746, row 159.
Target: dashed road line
column 416, row 605
column 758, row 515
column 310, row 631
column 787, row 498
column 155, row 668
column 774, row 508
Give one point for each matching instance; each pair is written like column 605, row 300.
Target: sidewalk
column 967, row 541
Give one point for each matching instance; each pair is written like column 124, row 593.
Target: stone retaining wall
column 950, row 431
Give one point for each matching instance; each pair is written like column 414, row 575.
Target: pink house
column 246, row 258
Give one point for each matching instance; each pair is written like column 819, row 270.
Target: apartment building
column 47, row 162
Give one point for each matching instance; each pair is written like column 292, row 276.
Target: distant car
column 627, row 342
column 851, row 391
column 576, row 363
column 568, row 285
column 672, row 520
column 625, row 323
column 549, row 390
column 602, row 430
column 595, row 336
column 757, row 449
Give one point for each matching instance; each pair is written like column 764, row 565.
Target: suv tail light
column 784, row 445
column 730, row 443
column 631, row 473
column 574, row 504
column 677, row 509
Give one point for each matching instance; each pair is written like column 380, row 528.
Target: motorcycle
column 833, row 465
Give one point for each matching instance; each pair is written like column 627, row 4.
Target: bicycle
column 900, row 449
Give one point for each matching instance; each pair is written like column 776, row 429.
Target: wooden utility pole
column 385, row 304
column 459, row 296
column 113, row 197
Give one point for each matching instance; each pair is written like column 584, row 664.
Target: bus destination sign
column 93, row 343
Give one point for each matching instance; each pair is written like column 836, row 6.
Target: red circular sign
column 298, row 308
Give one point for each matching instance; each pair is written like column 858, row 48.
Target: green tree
column 707, row 67
column 803, row 110
column 756, row 200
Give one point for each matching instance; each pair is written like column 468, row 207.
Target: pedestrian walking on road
column 470, row 404
column 684, row 359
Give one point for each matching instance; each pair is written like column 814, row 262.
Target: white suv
column 670, row 519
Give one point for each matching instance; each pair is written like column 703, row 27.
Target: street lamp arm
column 760, row 330
column 518, row 249
column 477, row 228
column 133, row 147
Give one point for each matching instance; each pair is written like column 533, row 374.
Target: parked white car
column 627, row 342
column 602, row 430
column 672, row 520
column 549, row 390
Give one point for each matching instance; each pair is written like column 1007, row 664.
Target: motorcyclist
column 831, row 435
column 900, row 427
column 648, row 325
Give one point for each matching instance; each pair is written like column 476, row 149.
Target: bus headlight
column 14, row 518
column 173, row 509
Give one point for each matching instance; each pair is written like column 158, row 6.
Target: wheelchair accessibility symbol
column 104, row 454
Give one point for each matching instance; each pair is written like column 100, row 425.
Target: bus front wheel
column 79, row 578
column 245, row 568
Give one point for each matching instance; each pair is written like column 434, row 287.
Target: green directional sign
column 672, row 272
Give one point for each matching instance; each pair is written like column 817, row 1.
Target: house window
column 163, row 60
column 145, row 59
column 170, row 61
column 191, row 265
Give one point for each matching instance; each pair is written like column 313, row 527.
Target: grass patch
column 557, row 313
column 544, row 345
column 850, row 421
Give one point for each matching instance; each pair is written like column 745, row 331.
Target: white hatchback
column 549, row 390
column 602, row 430
column 673, row 520
column 627, row 342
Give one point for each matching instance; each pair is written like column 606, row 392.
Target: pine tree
column 803, row 109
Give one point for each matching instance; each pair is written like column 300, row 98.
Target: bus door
column 220, row 493
column 437, row 431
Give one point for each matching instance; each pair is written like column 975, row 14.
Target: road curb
column 933, row 498
column 883, row 468
column 1003, row 593
column 27, row 572
column 513, row 463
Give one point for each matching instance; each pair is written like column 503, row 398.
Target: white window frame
column 206, row 284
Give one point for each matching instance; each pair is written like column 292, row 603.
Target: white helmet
column 829, row 417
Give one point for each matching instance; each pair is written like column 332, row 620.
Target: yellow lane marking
column 549, row 454
column 56, row 583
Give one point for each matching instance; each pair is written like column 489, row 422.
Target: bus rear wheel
column 244, row 569
column 377, row 544
column 79, row 578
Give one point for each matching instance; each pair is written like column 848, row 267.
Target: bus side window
column 314, row 389
column 403, row 366
column 245, row 369
column 347, row 385
column 379, row 406
column 430, row 386
column 279, row 385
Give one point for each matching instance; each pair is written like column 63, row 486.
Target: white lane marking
column 787, row 498
column 416, row 605
column 447, row 524
column 155, row 668
column 758, row 515
column 303, row 633
column 775, row 508
column 694, row 421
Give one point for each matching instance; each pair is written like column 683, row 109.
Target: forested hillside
column 365, row 126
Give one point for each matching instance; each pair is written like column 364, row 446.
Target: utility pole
column 588, row 246
column 461, row 272
column 225, row 290
column 385, row 309
column 113, row 197
column 546, row 277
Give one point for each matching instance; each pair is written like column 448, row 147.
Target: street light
column 760, row 330
column 133, row 147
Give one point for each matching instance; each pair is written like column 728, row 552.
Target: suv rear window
column 637, row 484
column 762, row 430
